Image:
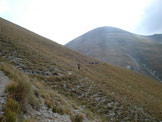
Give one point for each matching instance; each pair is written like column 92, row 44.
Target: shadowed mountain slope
column 155, row 37
column 121, row 48
column 97, row 92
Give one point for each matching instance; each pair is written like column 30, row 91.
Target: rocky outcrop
column 3, row 82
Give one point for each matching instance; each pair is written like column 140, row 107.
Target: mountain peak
column 110, row 29
column 106, row 29
column 121, row 48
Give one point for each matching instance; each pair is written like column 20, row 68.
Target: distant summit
column 108, row 29
column 122, row 48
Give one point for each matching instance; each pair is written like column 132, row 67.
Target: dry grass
column 11, row 111
column 77, row 118
column 38, row 57
column 135, row 87
column 60, row 104
column 19, row 92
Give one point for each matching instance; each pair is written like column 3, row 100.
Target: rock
column 59, row 74
column 128, row 67
column 69, row 73
column 64, row 85
column 3, row 82
column 39, row 114
column 1, row 113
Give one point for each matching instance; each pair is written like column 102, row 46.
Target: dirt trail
column 3, row 82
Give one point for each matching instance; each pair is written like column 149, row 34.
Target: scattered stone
column 69, row 73
column 128, row 67
column 59, row 74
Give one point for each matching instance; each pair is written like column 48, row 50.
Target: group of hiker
column 79, row 66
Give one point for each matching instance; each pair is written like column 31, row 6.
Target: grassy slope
column 40, row 57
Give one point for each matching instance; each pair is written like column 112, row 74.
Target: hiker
column 78, row 66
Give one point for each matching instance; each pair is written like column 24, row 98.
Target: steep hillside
column 46, row 84
column 121, row 48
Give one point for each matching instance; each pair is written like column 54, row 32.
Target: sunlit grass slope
column 110, row 93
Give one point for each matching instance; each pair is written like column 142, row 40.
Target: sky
column 64, row 20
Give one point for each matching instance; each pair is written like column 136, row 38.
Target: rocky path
column 45, row 114
column 3, row 82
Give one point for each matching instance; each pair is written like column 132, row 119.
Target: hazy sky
column 64, row 20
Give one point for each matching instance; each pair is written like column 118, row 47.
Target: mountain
column 155, row 37
column 121, row 48
column 45, row 84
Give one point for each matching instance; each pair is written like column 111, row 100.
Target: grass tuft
column 77, row 118
column 11, row 111
column 19, row 94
